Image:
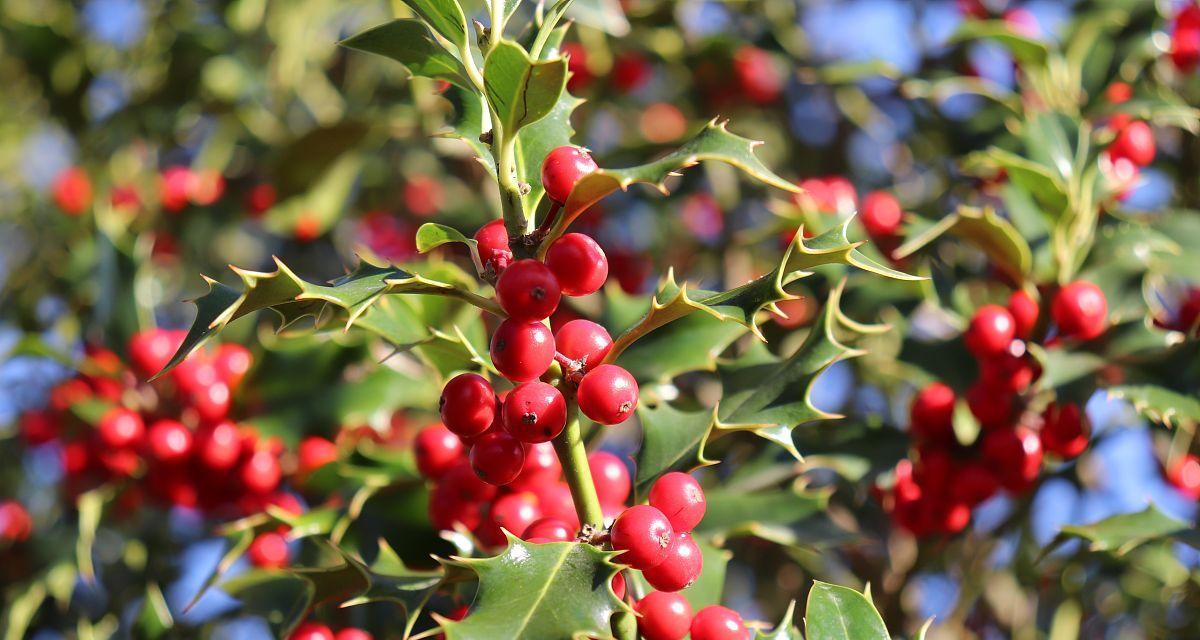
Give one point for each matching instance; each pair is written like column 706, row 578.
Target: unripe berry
column 515, row 512
column 260, row 473
column 1024, row 310
column 528, row 291
column 121, row 428
column 610, row 476
column 1135, row 142
column 552, row 529
column 680, row 568
column 494, row 251
column 541, row 468
column 1080, row 310
column 497, row 458
column 680, row 498
column 715, row 622
column 1064, row 430
column 269, row 551
column 468, row 405
column 881, row 214
column 313, row 453
column 562, row 168
column 437, row 449
column 663, row 616
column 991, row 331
column 643, row 534
column 583, row 340
column 578, row 263
column 521, row 351
column 169, row 441
column 535, row 412
column 1014, row 455
column 312, row 631
column 607, row 394
column 932, row 412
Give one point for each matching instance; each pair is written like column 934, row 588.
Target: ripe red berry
column 219, row 446
column 1064, row 430
column 583, row 340
column 528, row 291
column 663, row 616
column 1080, row 310
column 541, row 468
column 680, row 498
column 757, row 75
column 881, row 214
column 151, row 350
column 437, row 449
column 1008, row 372
column 715, row 622
column 610, row 476
column 516, row 512
column 991, row 331
column 578, row 263
column 312, row 631
column 494, row 251
column 1014, row 455
column 556, row 502
column 521, row 351
column 72, row 191
column 39, row 427
column 260, row 473
column 1135, row 142
column 932, row 412
column 497, row 458
column 269, row 551
column 353, row 634
column 550, row 529
column 313, row 453
column 680, row 568
column 991, row 405
column 15, row 523
column 211, row 401
column 1024, row 310
column 468, row 405
column 231, row 362
column 169, row 441
column 607, row 394
column 535, row 412
column 121, row 428
column 973, row 483
column 562, row 168
column 643, row 534
column 1184, row 475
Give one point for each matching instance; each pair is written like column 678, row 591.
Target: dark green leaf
column 839, row 613
column 445, row 16
column 994, row 235
column 521, row 90
column 732, row 513
column 410, row 43
column 1122, row 533
column 280, row 598
column 1160, row 404
column 672, row 440
column 392, row 581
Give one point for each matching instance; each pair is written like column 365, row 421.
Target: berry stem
column 573, row 455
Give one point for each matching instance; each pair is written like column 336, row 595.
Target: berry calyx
column 437, row 450
column 680, row 568
column 1080, row 310
column 679, row 497
column 642, row 533
column 578, row 263
column 468, row 405
column 528, row 291
column 991, row 330
column 931, row 413
column 607, row 394
column 521, row 351
column 881, row 214
column 715, row 622
column 562, row 168
column 497, row 458
column 169, row 441
column 535, row 412
column 550, row 529
column 121, row 428
column 663, row 616
column 610, row 477
column 494, row 252
column 583, row 341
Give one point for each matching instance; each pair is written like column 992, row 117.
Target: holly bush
column 583, row 327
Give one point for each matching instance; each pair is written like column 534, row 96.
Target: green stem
column 573, row 455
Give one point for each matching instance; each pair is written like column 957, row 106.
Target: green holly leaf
column 520, row 89
column 279, row 597
column 732, row 513
column 432, row 235
column 840, row 613
column 539, row 591
column 785, row 630
column 410, row 43
column 535, row 142
column 154, row 619
column 672, row 440
column 392, row 581
column 1160, row 404
column 995, row 236
column 470, row 125
column 446, row 17
column 1039, row 180
column 1123, row 533
column 692, row 343
column 1026, row 50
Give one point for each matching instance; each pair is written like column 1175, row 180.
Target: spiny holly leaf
column 785, row 630
column 690, row 344
column 1036, row 178
column 733, row 513
column 839, row 613
column 997, row 237
column 1026, row 50
column 410, row 43
column 1160, row 404
column 446, row 17
column 337, row 583
column 520, row 90
column 672, row 440
column 536, row 141
column 535, row 591
column 833, row 247
column 292, row 298
column 392, row 581
column 1122, row 533
column 280, row 598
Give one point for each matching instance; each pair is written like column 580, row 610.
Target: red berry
column 468, row 405
column 607, row 394
column 556, row 501
column 1064, row 430
column 578, row 263
column 1185, row 475
column 955, row 516
column 1024, row 311
column 618, row 585
column 72, row 191
column 931, row 414
column 630, row 70
column 516, row 512
column 232, row 361
column 680, row 498
column 219, row 446
column 715, row 622
column 663, row 616
column 991, row 331
column 562, row 168
column 1014, row 455
column 535, row 412
column 610, row 476
column 991, row 405
column 521, row 351
column 1135, row 142
column 211, row 402
column 313, row 453
column 437, row 450
column 39, row 427
column 1118, row 93
column 269, row 551
column 1080, row 310
column 312, row 631
column 170, row 441
column 497, row 458
column 151, row 350
column 173, row 188
column 973, row 483
column 260, row 473
column 643, row 534
column 121, row 428
column 757, row 76
column 680, row 568
column 881, row 214
column 464, row 484
column 1009, row 372
column 15, row 523
column 583, row 341
column 528, row 291
column 494, row 252
column 551, row 529
column 261, row 197
column 541, row 468
column 353, row 634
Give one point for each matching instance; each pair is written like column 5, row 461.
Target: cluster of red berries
column 1185, row 38
column 668, row 616
column 318, row 631
column 656, row 538
column 15, row 523
column 1132, row 148
column 173, row 436
column 935, row 494
column 178, row 186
